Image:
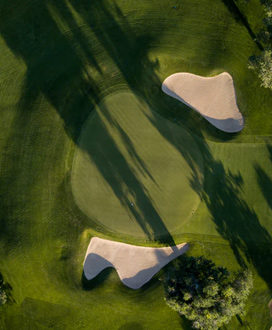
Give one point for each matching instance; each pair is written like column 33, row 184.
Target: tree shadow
column 235, row 220
column 62, row 65
column 269, row 149
column 58, row 68
column 265, row 184
column 264, row 181
column 124, row 182
column 240, row 17
column 59, row 44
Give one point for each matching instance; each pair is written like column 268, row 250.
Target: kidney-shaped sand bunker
column 132, row 169
column 213, row 97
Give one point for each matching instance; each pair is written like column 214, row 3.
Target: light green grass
column 59, row 60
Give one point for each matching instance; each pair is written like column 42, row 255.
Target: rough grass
column 58, row 61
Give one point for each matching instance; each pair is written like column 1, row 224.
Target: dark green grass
column 253, row 11
column 58, row 60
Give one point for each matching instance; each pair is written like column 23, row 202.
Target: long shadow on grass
column 63, row 64
column 235, row 220
column 265, row 181
column 240, row 17
column 265, row 184
column 56, row 71
column 124, row 182
column 60, row 44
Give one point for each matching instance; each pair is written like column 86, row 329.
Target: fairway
column 127, row 176
column 91, row 147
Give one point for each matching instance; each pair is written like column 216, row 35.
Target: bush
column 263, row 66
column 5, row 289
column 206, row 295
column 3, row 297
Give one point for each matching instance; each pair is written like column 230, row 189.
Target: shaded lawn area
column 58, row 61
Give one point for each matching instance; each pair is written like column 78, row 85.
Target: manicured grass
column 254, row 12
column 128, row 177
column 59, row 61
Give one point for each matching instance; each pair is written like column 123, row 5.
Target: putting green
column 127, row 176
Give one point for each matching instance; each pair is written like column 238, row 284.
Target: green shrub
column 3, row 297
column 206, row 295
column 263, row 66
column 4, row 291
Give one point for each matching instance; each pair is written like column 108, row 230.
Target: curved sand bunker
column 135, row 265
column 213, row 97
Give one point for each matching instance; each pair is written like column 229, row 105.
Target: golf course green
column 91, row 146
column 127, row 176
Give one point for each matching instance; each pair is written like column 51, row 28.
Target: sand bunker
column 214, row 98
column 135, row 265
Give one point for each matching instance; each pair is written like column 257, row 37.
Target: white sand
column 135, row 265
column 213, row 97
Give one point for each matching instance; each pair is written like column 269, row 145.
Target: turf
column 128, row 177
column 59, row 61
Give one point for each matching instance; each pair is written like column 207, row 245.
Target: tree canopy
column 3, row 295
column 207, row 295
column 262, row 63
column 5, row 291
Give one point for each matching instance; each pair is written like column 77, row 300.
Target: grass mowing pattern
column 58, row 61
column 122, row 159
